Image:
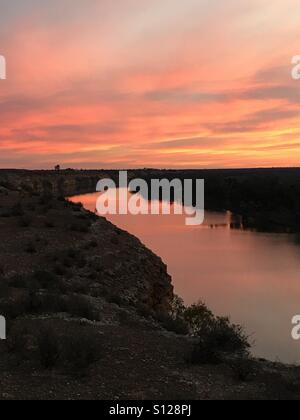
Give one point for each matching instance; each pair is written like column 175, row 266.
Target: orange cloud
column 166, row 84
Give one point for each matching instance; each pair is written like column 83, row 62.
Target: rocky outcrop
column 130, row 270
column 114, row 265
column 126, row 268
column 59, row 183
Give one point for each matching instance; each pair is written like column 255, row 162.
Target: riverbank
column 267, row 200
column 88, row 308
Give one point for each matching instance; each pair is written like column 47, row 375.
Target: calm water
column 253, row 277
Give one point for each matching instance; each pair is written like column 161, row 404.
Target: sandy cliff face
column 131, row 270
column 59, row 183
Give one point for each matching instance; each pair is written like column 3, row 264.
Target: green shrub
column 216, row 335
column 229, row 337
column 177, row 325
column 199, row 318
column 178, row 308
column 173, row 324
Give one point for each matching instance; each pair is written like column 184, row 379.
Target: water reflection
column 252, row 276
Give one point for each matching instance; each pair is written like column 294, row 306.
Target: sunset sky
column 149, row 83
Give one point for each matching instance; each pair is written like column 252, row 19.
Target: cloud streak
column 134, row 83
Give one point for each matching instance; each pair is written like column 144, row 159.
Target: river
column 252, row 277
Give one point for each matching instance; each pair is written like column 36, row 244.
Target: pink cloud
column 97, row 85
